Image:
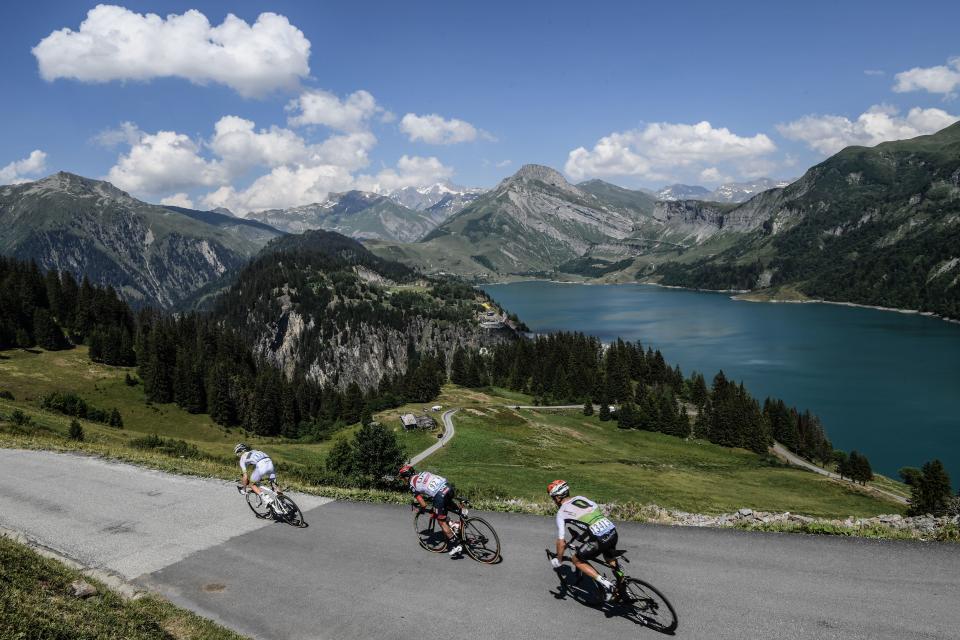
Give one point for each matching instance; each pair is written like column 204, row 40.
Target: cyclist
column 441, row 494
column 591, row 533
column 262, row 468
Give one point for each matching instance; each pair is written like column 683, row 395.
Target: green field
column 498, row 453
column 36, row 601
column 29, row 375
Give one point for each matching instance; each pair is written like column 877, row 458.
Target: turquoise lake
column 884, row 383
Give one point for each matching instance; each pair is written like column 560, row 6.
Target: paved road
column 448, row 432
column 796, row 460
column 357, row 572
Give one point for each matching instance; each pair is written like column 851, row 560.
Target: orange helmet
column 558, row 489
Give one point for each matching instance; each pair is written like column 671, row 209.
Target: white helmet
column 558, row 489
column 240, row 448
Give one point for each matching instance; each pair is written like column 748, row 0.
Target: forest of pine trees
column 53, row 312
column 573, row 368
column 202, row 364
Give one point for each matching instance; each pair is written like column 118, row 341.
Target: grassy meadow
column 498, row 454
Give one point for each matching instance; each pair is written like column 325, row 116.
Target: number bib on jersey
column 601, row 527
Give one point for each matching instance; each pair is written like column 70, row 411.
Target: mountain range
column 877, row 226
column 729, row 192
column 151, row 254
column 404, row 215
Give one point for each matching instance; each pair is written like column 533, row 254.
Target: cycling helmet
column 406, row 471
column 240, row 448
column 558, row 489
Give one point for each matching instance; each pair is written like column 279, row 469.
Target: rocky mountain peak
column 544, row 174
column 71, row 183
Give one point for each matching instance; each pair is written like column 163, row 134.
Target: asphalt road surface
column 357, row 571
column 448, row 433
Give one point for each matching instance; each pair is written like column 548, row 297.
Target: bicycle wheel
column 651, row 606
column 480, row 540
column 256, row 504
column 291, row 512
column 429, row 534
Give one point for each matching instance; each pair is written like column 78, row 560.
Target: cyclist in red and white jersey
column 591, row 533
column 262, row 468
column 441, row 494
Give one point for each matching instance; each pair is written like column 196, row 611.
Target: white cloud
column 943, row 79
column 178, row 200
column 114, row 43
column 874, row 72
column 411, row 171
column 19, row 170
column 653, row 152
column 324, row 108
column 880, row 123
column 433, row 129
column 504, row 163
column 127, row 133
column 165, row 162
column 713, row 174
column 283, row 187
column 241, row 147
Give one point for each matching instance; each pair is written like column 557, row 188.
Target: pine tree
column 115, row 419
column 932, row 491
column 366, row 416
column 376, row 453
column 604, row 409
column 460, row 373
column 588, row 407
column 340, row 458
column 76, row 431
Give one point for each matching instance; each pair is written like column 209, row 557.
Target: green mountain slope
column 322, row 306
column 151, row 254
column 877, row 226
column 535, row 223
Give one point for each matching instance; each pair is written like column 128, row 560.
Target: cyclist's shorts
column 443, row 501
column 264, row 469
column 592, row 547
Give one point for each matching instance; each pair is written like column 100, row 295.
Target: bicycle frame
column 598, row 565
column 462, row 511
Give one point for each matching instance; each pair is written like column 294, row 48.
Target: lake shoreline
column 741, row 295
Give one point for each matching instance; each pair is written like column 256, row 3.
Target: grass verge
column 37, row 602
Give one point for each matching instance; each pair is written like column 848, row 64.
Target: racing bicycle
column 635, row 599
column 282, row 508
column 478, row 537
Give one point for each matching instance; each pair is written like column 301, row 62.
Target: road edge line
column 113, row 581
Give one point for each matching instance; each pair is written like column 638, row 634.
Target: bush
column 130, row 381
column 373, row 454
column 6, row 395
column 76, row 431
column 20, row 419
column 170, row 447
column 70, row 404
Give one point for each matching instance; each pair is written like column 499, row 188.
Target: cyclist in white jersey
column 591, row 533
column 441, row 494
column 262, row 468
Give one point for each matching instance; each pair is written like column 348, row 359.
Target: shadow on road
column 575, row 586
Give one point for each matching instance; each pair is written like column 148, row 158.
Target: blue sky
column 330, row 96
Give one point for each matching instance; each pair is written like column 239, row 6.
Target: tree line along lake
column 884, row 383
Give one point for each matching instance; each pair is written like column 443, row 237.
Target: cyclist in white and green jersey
column 591, row 533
